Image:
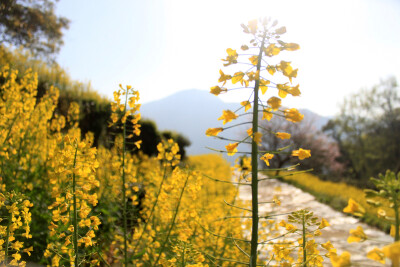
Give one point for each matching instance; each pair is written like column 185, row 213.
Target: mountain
column 317, row 120
column 192, row 112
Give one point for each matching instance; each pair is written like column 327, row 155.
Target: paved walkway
column 293, row 199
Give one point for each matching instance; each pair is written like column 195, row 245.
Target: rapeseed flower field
column 69, row 203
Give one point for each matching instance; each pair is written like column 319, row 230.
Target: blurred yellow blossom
column 231, row 148
column 354, row 208
column 301, row 153
column 213, row 131
column 357, row 235
column 227, row 116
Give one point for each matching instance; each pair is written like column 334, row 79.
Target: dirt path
column 293, row 199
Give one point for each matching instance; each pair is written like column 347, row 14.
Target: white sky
column 161, row 47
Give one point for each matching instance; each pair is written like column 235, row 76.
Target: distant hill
column 192, row 112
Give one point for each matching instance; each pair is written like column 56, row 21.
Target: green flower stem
column 254, row 167
column 8, row 237
column 75, row 217
column 173, row 222
column 183, row 255
column 124, row 215
column 304, row 241
column 397, row 220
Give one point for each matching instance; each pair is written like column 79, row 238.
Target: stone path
column 293, row 199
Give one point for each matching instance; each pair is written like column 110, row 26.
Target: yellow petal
column 213, row 131
column 267, row 114
column 231, row 148
column 291, row 47
column 237, row 77
column 280, row 30
column 377, row 255
column 246, row 105
column 283, row 136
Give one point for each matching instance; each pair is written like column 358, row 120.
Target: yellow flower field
column 66, row 202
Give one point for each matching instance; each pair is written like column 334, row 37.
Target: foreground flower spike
column 304, row 226
column 260, row 67
column 122, row 113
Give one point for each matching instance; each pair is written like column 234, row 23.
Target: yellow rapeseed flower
column 223, row 78
column 213, row 131
column 328, row 246
column 287, row 70
column 263, row 85
column 266, row 157
column 301, row 153
column 274, row 103
column 293, row 115
column 282, row 90
column 357, row 235
column 267, row 114
column 238, row 77
column 392, row 252
column 283, row 135
column 246, row 105
column 291, row 46
column 341, row 261
column 377, row 255
column 257, row 136
column 272, row 50
column 227, row 116
column 254, row 60
column 354, row 208
column 294, row 91
column 216, row 90
column 231, row 148
column 324, row 223
column 280, row 30
column 231, row 58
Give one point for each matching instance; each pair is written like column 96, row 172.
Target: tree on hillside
column 368, row 131
column 33, row 25
column 303, row 135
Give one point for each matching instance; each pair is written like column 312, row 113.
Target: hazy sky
column 161, row 47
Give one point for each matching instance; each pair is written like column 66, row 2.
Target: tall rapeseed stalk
column 122, row 112
column 265, row 43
